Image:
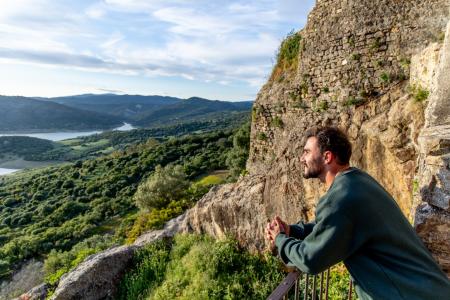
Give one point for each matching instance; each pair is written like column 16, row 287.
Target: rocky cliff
column 380, row 71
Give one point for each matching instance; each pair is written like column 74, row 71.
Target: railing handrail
column 285, row 286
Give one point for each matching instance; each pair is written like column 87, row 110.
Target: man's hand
column 285, row 227
column 274, row 228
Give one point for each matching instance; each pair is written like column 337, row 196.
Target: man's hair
column 334, row 140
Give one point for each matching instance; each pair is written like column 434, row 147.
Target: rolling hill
column 22, row 114
column 125, row 106
column 193, row 109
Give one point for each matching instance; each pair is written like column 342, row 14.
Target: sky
column 220, row 50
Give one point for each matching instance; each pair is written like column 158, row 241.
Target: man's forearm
column 300, row 230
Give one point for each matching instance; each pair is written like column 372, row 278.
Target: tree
column 166, row 184
column 238, row 155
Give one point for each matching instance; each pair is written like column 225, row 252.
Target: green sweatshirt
column 359, row 223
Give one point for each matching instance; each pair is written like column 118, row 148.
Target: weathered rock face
column 433, row 177
column 97, row 277
column 29, row 275
column 362, row 66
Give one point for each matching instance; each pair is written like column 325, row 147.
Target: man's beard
column 314, row 169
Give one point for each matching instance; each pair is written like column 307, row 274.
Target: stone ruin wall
column 370, row 52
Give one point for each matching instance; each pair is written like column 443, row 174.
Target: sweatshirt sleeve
column 328, row 243
column 300, row 230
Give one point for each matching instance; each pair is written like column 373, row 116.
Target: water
column 59, row 136
column 4, row 171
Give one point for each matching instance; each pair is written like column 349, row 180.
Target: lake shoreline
column 56, row 130
column 56, row 136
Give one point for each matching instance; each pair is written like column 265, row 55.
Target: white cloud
column 220, row 42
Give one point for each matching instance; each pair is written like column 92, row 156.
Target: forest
column 57, row 207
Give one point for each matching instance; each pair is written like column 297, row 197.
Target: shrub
column 182, row 272
column 150, row 265
column 58, row 262
column 4, row 268
column 166, row 184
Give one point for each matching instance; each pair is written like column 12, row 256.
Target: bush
column 58, row 262
column 198, row 267
column 4, row 268
column 166, row 184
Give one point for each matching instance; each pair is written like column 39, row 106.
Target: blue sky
column 213, row 49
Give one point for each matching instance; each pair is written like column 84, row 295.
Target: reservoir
column 4, row 171
column 59, row 136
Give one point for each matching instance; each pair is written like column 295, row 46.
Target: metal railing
column 298, row 286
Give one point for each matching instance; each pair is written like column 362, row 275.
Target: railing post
column 321, row 286
column 297, row 286
column 350, row 290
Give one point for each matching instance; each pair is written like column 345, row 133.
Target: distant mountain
column 147, row 110
column 128, row 107
column 21, row 114
column 193, row 109
column 105, row 111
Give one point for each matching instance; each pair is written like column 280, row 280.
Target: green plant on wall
column 279, row 107
column 352, row 101
column 322, row 106
column 256, row 111
column 277, row 122
column 441, row 36
column 415, row 186
column 375, row 44
column 385, row 77
column 300, row 104
column 405, row 63
column 418, row 93
column 287, row 56
column 261, row 136
column 351, row 41
column 356, row 56
column 378, row 63
column 294, row 96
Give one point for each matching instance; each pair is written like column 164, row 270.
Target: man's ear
column 328, row 157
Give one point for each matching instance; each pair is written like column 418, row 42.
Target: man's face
column 312, row 159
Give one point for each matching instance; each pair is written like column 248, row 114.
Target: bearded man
column 359, row 223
